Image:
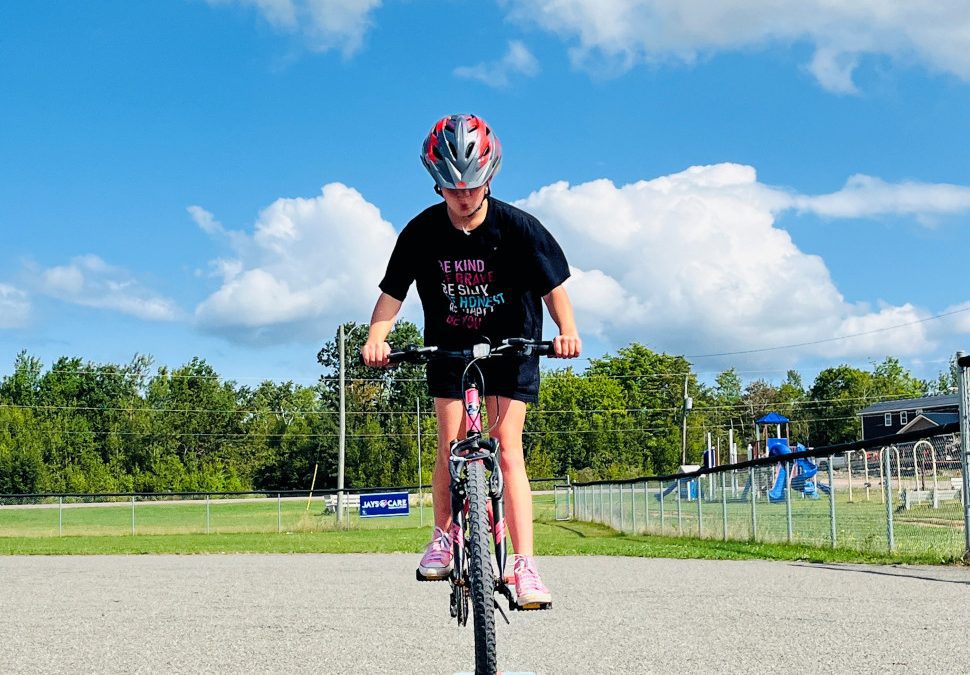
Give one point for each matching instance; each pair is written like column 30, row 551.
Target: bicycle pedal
column 534, row 606
column 421, row 577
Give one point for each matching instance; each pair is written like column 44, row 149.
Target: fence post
column 886, row 458
column 753, row 491
column 612, row 520
column 700, row 507
column 963, row 362
column 207, row 514
column 633, row 506
column 60, row 516
column 133, row 514
column 680, row 515
column 646, row 505
column 279, row 513
column 724, row 518
column 832, row 500
column 662, row 498
column 622, row 510
column 848, row 466
column 788, row 470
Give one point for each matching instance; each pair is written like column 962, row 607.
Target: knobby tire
column 480, row 572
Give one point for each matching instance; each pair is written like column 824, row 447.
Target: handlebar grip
column 411, row 355
column 544, row 348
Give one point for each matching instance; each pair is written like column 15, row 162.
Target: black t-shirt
column 487, row 283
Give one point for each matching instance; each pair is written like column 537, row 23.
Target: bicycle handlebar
column 520, row 346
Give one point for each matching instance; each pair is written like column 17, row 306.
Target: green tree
column 890, row 380
column 22, row 468
column 653, row 385
column 948, row 381
column 22, row 387
column 836, row 395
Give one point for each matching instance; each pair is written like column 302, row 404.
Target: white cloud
column 14, row 307
column 865, row 196
column 518, row 60
column 90, row 282
column 956, row 320
column 622, row 33
column 205, row 220
column 325, row 24
column 309, row 265
column 693, row 263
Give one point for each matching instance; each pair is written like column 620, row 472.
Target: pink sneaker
column 530, row 593
column 436, row 564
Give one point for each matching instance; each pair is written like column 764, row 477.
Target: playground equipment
column 688, row 486
column 803, row 481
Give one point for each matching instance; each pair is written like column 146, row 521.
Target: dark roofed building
column 891, row 417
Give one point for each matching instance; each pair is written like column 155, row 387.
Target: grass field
column 286, row 526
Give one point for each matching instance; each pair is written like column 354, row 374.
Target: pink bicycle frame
column 473, row 411
column 496, row 514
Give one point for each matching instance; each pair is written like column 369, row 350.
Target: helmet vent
column 454, row 150
column 470, row 150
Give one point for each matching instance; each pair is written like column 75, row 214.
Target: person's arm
column 567, row 344
column 376, row 349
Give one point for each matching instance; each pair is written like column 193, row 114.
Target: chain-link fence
column 906, row 493
column 115, row 514
column 906, row 497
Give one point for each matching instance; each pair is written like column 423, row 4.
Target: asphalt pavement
column 367, row 614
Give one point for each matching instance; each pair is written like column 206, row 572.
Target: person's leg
column 436, row 563
column 451, row 426
column 507, row 418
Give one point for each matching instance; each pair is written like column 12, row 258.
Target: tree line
column 82, row 427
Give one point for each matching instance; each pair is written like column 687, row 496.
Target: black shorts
column 515, row 377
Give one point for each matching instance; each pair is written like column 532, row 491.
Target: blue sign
column 383, row 504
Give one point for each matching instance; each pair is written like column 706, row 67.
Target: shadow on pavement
column 895, row 572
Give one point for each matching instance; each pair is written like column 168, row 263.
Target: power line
column 832, row 339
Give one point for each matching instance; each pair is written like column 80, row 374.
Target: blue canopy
column 773, row 418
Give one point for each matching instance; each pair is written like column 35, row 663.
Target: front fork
column 488, row 452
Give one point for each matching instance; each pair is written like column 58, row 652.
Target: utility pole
column 343, row 430
column 688, row 404
column 420, row 478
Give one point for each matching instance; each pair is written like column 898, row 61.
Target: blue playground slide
column 688, row 489
column 804, row 481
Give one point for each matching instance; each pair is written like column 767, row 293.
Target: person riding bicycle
column 481, row 267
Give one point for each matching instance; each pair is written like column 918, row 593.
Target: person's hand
column 375, row 353
column 567, row 346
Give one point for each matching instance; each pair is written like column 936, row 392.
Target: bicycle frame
column 475, row 448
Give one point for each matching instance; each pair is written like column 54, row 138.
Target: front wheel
column 481, row 577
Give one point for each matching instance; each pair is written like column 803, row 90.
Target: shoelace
column 527, row 575
column 439, row 547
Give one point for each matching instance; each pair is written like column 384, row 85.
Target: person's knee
column 512, row 460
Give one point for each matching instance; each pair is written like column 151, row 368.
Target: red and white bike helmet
column 461, row 152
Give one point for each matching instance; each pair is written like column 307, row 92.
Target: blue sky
column 225, row 178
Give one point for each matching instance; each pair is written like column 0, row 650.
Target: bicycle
column 477, row 483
